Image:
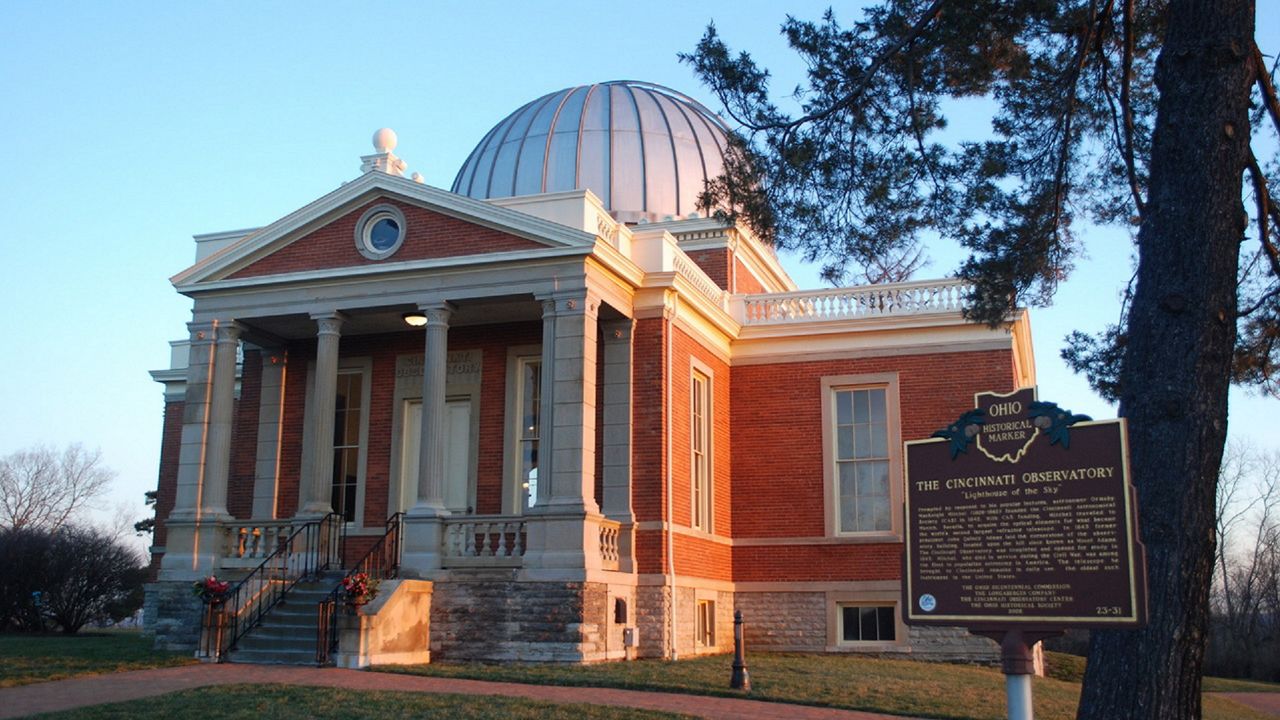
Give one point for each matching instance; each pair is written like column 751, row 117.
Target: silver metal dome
column 644, row 149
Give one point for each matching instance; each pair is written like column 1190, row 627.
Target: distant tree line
column 1244, row 630
column 56, row 571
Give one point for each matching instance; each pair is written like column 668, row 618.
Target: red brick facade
column 427, row 235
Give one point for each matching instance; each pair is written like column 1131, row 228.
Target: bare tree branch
column 41, row 488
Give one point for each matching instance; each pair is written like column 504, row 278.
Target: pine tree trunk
column 1177, row 359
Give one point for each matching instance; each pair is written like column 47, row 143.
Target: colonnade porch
column 565, row 535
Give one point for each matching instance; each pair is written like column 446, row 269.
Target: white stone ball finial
column 384, row 140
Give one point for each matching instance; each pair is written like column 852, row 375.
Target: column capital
column 438, row 312
column 329, row 322
column 618, row 330
column 203, row 331
column 229, row 331
column 575, row 302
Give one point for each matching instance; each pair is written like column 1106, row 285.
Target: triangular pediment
column 324, row 236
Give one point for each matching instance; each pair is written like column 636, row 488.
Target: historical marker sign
column 1021, row 514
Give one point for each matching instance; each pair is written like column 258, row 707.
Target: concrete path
column 118, row 687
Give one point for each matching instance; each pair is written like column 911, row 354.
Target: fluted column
column 325, row 397
column 435, row 368
column 195, row 421
column 266, row 476
column 217, row 461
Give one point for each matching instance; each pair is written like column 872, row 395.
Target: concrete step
column 275, row 657
column 287, row 635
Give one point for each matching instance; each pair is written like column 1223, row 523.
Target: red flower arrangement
column 210, row 589
column 359, row 588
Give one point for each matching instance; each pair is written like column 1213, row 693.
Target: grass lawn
column 285, row 702
column 1071, row 667
column 901, row 687
column 1212, row 684
column 26, row 659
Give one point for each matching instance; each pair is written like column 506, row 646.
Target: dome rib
column 645, row 162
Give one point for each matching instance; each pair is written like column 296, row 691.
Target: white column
column 222, row 399
column 195, row 422
column 266, row 474
column 324, row 397
column 616, row 395
column 435, row 367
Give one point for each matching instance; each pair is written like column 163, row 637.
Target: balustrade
column 246, row 545
column 889, row 299
column 610, row 556
column 484, row 541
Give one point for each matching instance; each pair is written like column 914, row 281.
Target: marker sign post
column 1020, row 522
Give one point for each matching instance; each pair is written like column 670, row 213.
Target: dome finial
column 383, row 160
column 384, row 140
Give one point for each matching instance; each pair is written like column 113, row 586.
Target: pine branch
column 1126, row 79
column 1268, row 88
column 848, row 99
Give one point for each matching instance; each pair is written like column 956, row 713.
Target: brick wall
column 744, row 281
column 715, row 263
column 778, row 480
column 427, row 235
column 244, row 438
column 167, row 484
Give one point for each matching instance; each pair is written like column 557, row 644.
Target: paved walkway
column 118, row 687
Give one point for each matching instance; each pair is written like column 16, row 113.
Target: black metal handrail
column 382, row 562
column 309, row 551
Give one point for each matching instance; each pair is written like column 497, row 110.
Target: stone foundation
column 952, row 644
column 650, row 620
column 784, row 621
column 171, row 614
column 491, row 616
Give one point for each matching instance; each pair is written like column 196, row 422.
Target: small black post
column 740, row 680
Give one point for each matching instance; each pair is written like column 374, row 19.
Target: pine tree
column 1125, row 112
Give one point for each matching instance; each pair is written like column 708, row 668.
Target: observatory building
column 560, row 413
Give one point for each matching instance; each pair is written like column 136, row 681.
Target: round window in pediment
column 380, row 232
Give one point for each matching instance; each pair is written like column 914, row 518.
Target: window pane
column 844, row 408
column 879, row 441
column 884, row 619
column 355, row 390
column 873, row 479
column 861, row 413
column 849, row 623
column 873, row 513
column 844, row 442
column 352, row 431
column 867, row 623
column 876, row 401
column 847, row 497
column 862, row 441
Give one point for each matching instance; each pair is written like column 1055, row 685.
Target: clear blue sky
column 128, row 127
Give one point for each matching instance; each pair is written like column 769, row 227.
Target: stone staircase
column 287, row 635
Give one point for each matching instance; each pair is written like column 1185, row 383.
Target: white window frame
column 364, row 367
column 513, row 496
column 831, row 477
column 704, row 624
column 701, row 464
column 875, row 593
